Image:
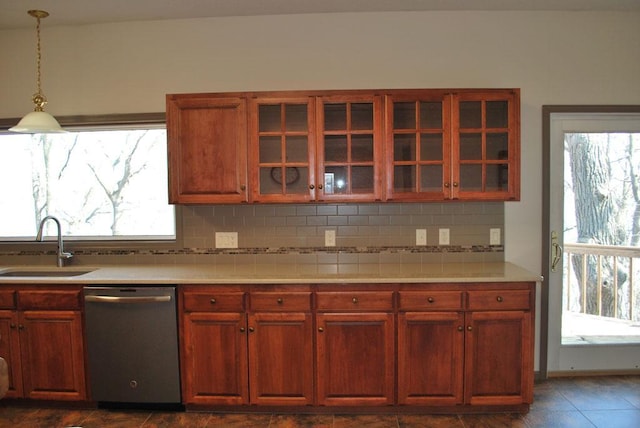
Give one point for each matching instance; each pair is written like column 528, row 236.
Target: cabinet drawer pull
column 455, row 184
column 446, row 185
column 320, row 186
column 460, row 328
column 12, row 325
column 251, row 330
column 213, row 301
column 311, row 186
column 355, row 300
column 20, row 327
column 469, row 328
column 499, row 299
column 241, row 329
column 243, row 187
column 320, row 329
column 430, row 300
column 280, row 300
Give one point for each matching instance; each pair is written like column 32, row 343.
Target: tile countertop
column 274, row 274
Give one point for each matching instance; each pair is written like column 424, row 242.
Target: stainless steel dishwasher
column 132, row 344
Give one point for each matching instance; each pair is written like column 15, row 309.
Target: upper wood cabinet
column 207, row 144
column 344, row 146
column 315, row 148
column 443, row 145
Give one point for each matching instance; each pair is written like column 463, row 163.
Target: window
column 100, row 184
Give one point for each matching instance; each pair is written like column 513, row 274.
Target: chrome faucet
column 62, row 255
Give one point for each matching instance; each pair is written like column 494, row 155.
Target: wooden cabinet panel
column 499, row 300
column 207, row 144
column 214, row 359
column 281, row 358
column 430, row 300
column 498, row 365
column 49, row 299
column 354, row 300
column 355, row 362
column 281, row 301
column 10, row 351
column 214, row 301
column 430, row 358
column 52, row 353
column 7, row 299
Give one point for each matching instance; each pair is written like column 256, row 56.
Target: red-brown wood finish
column 10, row 351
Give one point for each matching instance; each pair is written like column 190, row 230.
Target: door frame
column 547, row 112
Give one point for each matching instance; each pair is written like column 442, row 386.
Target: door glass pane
column 404, row 147
column 335, row 117
column 430, row 115
column 362, row 179
column 404, row 115
column 497, row 145
column 270, row 150
column 362, row 116
column 269, row 118
column 497, row 114
column 431, row 147
column 296, row 117
column 339, row 176
column 298, row 179
column 362, row 148
column 497, row 177
column 297, row 148
column 471, row 146
column 269, row 181
column 335, row 148
column 404, row 177
column 431, row 178
column 470, row 114
column 471, row 178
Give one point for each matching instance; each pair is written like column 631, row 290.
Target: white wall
column 554, row 57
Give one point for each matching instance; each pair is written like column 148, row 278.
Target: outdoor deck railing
column 618, row 255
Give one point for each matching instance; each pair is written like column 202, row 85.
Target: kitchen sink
column 17, row 273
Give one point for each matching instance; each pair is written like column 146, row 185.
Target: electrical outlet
column 421, row 236
column 443, row 237
column 329, row 238
column 226, row 239
column 494, row 236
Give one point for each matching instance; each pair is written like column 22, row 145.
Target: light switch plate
column 329, row 238
column 226, row 239
column 443, row 237
column 421, row 236
column 494, row 236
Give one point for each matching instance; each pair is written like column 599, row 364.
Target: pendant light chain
column 38, row 98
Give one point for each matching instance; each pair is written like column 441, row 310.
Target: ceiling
column 13, row 13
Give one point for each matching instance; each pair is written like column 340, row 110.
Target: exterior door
column 592, row 293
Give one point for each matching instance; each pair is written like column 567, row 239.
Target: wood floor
column 603, row 402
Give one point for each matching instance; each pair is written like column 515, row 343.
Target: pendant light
column 38, row 121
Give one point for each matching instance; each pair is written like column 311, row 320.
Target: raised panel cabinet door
column 52, row 350
column 281, row 358
column 355, row 359
column 486, row 145
column 10, row 351
column 430, row 358
column 207, row 143
column 214, row 359
column 499, row 358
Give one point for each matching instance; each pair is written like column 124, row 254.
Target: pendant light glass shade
column 38, row 121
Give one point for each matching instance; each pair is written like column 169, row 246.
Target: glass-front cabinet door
column 349, row 148
column 486, row 145
column 282, row 149
column 418, row 137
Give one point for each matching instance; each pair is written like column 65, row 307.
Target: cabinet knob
column 320, row 186
column 455, row 184
column 241, row 329
column 243, row 187
column 213, row 301
column 354, row 300
column 320, row 329
column 251, row 330
column 447, row 185
column 499, row 299
column 20, row 327
column 430, row 300
column 460, row 328
column 311, row 186
column 469, row 328
column 280, row 300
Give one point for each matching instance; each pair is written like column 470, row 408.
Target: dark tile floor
column 603, row 402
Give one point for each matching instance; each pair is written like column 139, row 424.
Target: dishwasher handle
column 118, row 299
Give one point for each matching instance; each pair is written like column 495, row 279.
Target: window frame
column 103, row 122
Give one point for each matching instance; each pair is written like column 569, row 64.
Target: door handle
column 556, row 250
column 116, row 299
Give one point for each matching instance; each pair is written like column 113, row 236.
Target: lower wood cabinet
column 41, row 339
column 446, row 345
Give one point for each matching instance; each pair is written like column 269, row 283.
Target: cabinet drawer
column 499, row 300
column 49, row 299
column 214, row 302
column 430, row 300
column 281, row 302
column 355, row 301
column 7, row 299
